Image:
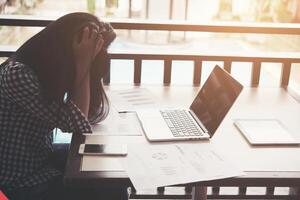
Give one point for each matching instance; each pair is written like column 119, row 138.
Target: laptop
column 202, row 119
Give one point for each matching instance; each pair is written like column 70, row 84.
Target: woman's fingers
column 89, row 45
column 85, row 34
column 99, row 44
column 94, row 34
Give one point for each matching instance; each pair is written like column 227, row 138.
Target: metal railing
column 221, row 27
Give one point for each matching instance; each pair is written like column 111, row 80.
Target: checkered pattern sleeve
column 21, row 86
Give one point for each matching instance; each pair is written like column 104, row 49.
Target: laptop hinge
column 198, row 121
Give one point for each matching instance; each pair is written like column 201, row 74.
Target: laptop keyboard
column 180, row 123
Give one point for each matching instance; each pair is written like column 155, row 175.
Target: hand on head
column 87, row 47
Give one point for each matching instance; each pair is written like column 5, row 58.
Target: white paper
column 118, row 124
column 131, row 99
column 151, row 166
column 101, row 163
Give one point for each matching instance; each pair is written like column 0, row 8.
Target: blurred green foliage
column 91, row 6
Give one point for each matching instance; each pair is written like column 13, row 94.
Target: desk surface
column 268, row 165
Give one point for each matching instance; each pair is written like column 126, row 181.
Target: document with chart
column 151, row 166
column 129, row 100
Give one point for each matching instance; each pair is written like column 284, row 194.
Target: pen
column 120, row 112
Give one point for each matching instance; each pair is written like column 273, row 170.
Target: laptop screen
column 215, row 99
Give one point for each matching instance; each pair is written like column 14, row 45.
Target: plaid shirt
column 26, row 124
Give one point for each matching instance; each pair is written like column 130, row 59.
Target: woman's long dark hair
column 50, row 54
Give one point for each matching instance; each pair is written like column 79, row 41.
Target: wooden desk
column 264, row 166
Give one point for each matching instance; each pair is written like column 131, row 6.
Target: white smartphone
column 103, row 149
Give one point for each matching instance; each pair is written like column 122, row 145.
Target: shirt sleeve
column 21, row 86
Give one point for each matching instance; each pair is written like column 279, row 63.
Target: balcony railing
column 286, row 59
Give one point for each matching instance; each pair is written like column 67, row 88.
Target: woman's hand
column 84, row 52
column 86, row 49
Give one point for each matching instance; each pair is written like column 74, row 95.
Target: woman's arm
column 20, row 85
column 81, row 93
column 85, row 51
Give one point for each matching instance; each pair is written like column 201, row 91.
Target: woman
column 51, row 81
